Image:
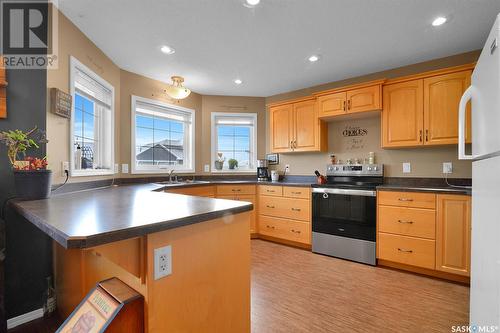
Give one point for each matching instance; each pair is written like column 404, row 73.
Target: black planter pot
column 32, row 184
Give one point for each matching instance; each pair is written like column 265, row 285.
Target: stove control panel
column 355, row 170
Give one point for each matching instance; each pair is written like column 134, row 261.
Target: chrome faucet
column 170, row 175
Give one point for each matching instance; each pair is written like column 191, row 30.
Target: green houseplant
column 233, row 164
column 32, row 179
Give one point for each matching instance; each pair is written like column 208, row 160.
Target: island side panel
column 209, row 288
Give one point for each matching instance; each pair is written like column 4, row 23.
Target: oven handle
column 363, row 193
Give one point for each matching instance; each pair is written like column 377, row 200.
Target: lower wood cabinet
column 199, row 191
column 241, row 193
column 285, row 214
column 425, row 231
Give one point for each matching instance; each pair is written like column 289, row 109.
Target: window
column 234, row 138
column 92, row 128
column 162, row 137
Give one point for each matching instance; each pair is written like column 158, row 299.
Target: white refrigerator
column 484, row 95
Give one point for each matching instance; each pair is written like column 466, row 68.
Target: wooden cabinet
column 353, row 99
column 402, row 116
column 199, row 191
column 295, row 127
column 442, row 95
column 285, row 214
column 241, row 192
column 453, row 234
column 247, row 198
column 424, row 111
column 235, row 189
column 425, row 231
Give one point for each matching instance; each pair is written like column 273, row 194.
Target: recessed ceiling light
column 439, row 21
column 313, row 58
column 252, row 2
column 167, row 49
column 238, row 81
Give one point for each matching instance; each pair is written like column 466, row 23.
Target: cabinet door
column 363, row 99
column 253, row 220
column 402, row 116
column 442, row 95
column 281, row 128
column 332, row 105
column 453, row 234
column 306, row 126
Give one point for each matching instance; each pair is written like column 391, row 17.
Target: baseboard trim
column 24, row 318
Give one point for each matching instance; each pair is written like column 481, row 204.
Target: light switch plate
column 407, row 167
column 124, row 168
column 162, row 262
column 447, row 167
column 117, row 168
column 207, row 168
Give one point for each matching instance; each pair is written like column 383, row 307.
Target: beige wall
column 425, row 162
column 72, row 42
column 232, row 104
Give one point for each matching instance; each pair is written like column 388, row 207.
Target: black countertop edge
column 128, row 233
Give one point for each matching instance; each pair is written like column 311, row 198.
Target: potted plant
column 220, row 162
column 233, row 164
column 32, row 180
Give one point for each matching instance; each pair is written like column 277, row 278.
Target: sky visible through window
column 84, row 132
column 234, row 142
column 159, row 141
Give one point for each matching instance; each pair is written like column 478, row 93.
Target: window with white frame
column 162, row 137
column 234, row 141
column 92, row 122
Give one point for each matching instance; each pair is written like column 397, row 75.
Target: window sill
column 233, row 171
column 91, row 172
column 162, row 171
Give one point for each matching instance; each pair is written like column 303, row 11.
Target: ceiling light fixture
column 176, row 90
column 439, row 21
column 313, row 58
column 167, row 49
column 252, row 2
column 238, row 81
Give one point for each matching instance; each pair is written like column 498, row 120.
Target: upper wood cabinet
column 402, row 117
column 359, row 98
column 453, row 230
column 295, row 127
column 442, row 95
column 424, row 111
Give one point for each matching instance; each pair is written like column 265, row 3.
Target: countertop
column 233, row 182
column 425, row 188
column 95, row 217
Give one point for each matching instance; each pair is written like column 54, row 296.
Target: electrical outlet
column 287, row 168
column 407, row 167
column 124, row 168
column 162, row 262
column 64, row 166
column 207, row 168
column 447, row 167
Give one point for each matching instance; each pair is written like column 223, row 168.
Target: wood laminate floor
column 295, row 290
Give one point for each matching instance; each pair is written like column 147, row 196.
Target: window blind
column 234, row 120
column 147, row 109
column 89, row 87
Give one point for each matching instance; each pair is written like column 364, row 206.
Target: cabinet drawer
column 271, row 190
column 235, row 189
column 296, row 192
column 285, row 229
column 407, row 250
column 407, row 199
column 407, row 221
column 297, row 209
column 199, row 191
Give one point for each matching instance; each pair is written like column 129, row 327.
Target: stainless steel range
column 344, row 212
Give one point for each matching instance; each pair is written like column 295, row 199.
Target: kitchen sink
column 183, row 182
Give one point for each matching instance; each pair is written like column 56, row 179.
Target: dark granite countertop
column 424, row 188
column 230, row 182
column 94, row 217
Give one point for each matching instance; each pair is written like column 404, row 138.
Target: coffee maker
column 262, row 170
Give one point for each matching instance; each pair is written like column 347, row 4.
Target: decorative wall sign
column 354, row 137
column 60, row 103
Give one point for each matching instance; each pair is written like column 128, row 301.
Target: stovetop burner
column 357, row 176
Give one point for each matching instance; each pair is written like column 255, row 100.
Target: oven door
column 344, row 212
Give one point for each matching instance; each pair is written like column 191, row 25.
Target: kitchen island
column 113, row 232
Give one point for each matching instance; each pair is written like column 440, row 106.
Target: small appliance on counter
column 344, row 212
column 262, row 170
column 275, row 176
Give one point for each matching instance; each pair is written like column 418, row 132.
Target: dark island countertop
column 95, row 217
column 233, row 182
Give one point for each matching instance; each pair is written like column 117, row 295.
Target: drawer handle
column 405, row 222
column 236, row 190
column 270, row 191
column 296, row 209
column 296, row 231
column 405, row 199
column 297, row 193
column 270, row 226
column 405, row 251
column 268, row 206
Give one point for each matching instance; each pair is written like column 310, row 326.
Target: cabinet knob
column 405, row 199
column 405, row 251
column 405, row 222
column 296, row 209
column 269, row 206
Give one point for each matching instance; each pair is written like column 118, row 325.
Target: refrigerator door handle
column 468, row 94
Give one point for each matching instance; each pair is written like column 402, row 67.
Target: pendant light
column 176, row 90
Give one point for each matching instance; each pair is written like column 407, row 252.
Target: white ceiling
column 217, row 41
